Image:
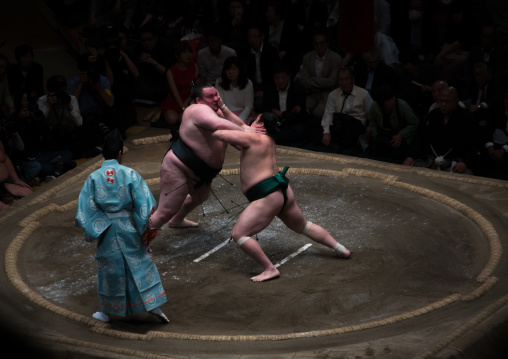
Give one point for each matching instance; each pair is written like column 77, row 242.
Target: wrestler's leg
column 194, row 199
column 256, row 217
column 174, row 188
column 294, row 219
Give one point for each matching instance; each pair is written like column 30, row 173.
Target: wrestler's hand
column 257, row 126
column 149, row 236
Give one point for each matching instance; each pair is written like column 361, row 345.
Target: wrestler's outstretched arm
column 204, row 117
column 231, row 116
column 238, row 139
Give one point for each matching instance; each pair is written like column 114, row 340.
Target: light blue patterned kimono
column 114, row 206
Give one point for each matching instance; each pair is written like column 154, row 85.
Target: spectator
column 309, row 16
column 485, row 93
column 153, row 57
column 372, row 72
column 346, row 113
column 236, row 26
column 25, row 75
column 181, row 77
column 415, row 78
column 460, row 33
column 6, row 99
column 318, row 74
column 211, row 58
column 496, row 144
column 11, row 186
column 45, row 154
column 59, row 123
column 437, row 87
column 392, row 124
column 121, row 73
column 446, row 138
column 280, row 32
column 413, row 26
column 286, row 99
column 236, row 90
column 382, row 16
column 95, row 100
column 258, row 59
column 489, row 51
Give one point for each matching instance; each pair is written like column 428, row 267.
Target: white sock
column 159, row 314
column 101, row 316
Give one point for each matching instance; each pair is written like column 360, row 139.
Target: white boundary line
column 293, row 255
column 211, row 251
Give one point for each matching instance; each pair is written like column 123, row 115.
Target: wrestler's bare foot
column 342, row 251
column 266, row 275
column 183, row 224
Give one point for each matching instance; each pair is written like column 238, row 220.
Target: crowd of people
column 420, row 84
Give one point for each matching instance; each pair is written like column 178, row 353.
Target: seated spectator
column 282, row 34
column 11, row 186
column 236, row 90
column 446, row 138
column 211, row 58
column 318, row 74
column 489, row 51
column 460, row 33
column 485, row 93
column 286, row 99
column 415, row 79
column 346, row 113
column 95, row 100
column 6, row 99
column 153, row 57
column 45, row 155
column 437, row 87
column 413, row 26
column 25, row 75
column 180, row 76
column 495, row 155
column 372, row 72
column 309, row 16
column 258, row 59
column 392, row 124
column 236, row 26
column 121, row 73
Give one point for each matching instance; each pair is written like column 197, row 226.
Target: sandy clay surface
column 426, row 278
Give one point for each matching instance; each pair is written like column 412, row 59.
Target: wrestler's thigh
column 258, row 215
column 17, row 190
column 292, row 215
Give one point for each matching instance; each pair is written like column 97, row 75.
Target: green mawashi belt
column 270, row 185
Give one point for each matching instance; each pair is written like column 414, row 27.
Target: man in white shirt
column 348, row 99
column 211, row 59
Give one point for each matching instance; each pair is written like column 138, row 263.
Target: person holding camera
column 95, row 99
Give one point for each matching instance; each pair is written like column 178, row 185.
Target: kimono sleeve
column 143, row 202
column 89, row 216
